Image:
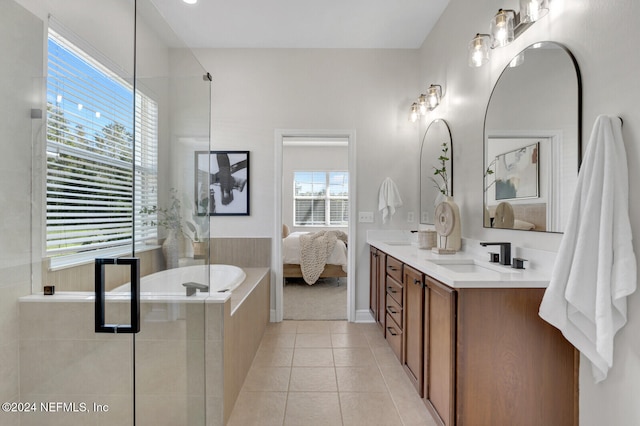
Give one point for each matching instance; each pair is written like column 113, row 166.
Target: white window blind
column 321, row 198
column 95, row 168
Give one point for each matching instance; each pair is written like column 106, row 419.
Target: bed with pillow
column 314, row 255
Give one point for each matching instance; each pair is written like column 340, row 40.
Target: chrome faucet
column 192, row 287
column 505, row 251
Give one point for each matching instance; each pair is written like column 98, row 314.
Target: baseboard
column 363, row 315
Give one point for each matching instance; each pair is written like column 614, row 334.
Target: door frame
column 277, row 311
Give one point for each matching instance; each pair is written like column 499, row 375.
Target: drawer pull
column 416, row 281
column 393, row 268
column 391, row 290
column 392, row 331
column 391, row 310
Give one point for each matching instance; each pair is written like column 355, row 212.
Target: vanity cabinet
column 414, row 326
column 394, row 301
column 480, row 356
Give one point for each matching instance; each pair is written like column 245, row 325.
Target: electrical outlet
column 365, row 217
column 425, row 217
column 410, row 217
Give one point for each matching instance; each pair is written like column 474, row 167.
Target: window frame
column 137, row 152
column 327, row 198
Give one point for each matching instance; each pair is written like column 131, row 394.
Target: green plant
column 441, row 171
column 169, row 218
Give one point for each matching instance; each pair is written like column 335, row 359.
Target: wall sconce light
column 505, row 27
column 532, row 10
column 479, row 50
column 502, row 28
column 434, row 94
column 415, row 113
column 426, row 102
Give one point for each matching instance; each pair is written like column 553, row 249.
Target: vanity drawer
column 394, row 309
column 394, row 289
column 393, row 333
column 394, row 268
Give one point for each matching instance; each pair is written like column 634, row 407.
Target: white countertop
column 483, row 275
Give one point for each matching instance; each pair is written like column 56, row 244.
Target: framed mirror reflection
column 532, row 141
column 436, row 169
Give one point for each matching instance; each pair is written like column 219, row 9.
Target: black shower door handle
column 134, row 327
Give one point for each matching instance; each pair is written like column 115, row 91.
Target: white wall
column 20, row 91
column 256, row 91
column 599, row 34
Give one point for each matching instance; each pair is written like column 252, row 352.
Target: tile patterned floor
column 328, row 373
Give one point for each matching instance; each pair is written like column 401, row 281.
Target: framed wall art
column 517, row 173
column 222, row 183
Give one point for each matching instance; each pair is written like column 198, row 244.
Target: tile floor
column 331, row 373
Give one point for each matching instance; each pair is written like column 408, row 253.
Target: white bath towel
column 388, row 199
column 595, row 268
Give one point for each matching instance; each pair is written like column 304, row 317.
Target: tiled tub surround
column 243, row 252
column 189, row 365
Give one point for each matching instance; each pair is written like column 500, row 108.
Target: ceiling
column 393, row 24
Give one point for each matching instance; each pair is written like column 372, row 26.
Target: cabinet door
column 413, row 326
column 382, row 289
column 440, row 350
column 374, row 291
column 525, row 368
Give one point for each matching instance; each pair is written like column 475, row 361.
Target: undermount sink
column 470, row 266
column 397, row 243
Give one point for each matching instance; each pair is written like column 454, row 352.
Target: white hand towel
column 388, row 199
column 595, row 268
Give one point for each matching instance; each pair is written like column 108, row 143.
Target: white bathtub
column 221, row 279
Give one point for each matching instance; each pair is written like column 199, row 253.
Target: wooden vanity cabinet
column 414, row 326
column 478, row 356
column 394, row 301
column 440, row 350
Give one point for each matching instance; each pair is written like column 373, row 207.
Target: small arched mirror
column 532, row 141
column 436, row 169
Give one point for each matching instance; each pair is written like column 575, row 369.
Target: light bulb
column 433, row 97
column 479, row 50
column 502, row 28
column 532, row 10
column 414, row 113
column 422, row 104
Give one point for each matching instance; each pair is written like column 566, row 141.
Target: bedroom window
column 98, row 172
column 321, row 198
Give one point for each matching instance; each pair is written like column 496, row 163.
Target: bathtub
column 221, row 279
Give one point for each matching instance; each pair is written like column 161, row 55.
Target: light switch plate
column 365, row 217
column 410, row 217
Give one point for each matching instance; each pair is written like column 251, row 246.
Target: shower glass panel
column 98, row 162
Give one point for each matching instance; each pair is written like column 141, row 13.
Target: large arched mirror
column 532, row 141
column 436, row 169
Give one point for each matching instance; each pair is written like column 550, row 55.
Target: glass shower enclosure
column 103, row 109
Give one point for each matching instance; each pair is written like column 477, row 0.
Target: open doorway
column 315, row 190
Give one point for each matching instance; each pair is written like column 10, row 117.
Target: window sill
column 65, row 262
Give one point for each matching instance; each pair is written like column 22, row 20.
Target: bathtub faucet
column 192, row 287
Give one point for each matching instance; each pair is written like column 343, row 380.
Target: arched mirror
column 436, row 169
column 532, row 141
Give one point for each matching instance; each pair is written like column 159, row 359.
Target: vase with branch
column 440, row 176
column 169, row 218
column 488, row 172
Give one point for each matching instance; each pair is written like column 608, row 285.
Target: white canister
column 427, row 239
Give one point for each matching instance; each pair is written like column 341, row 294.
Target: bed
column 336, row 262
